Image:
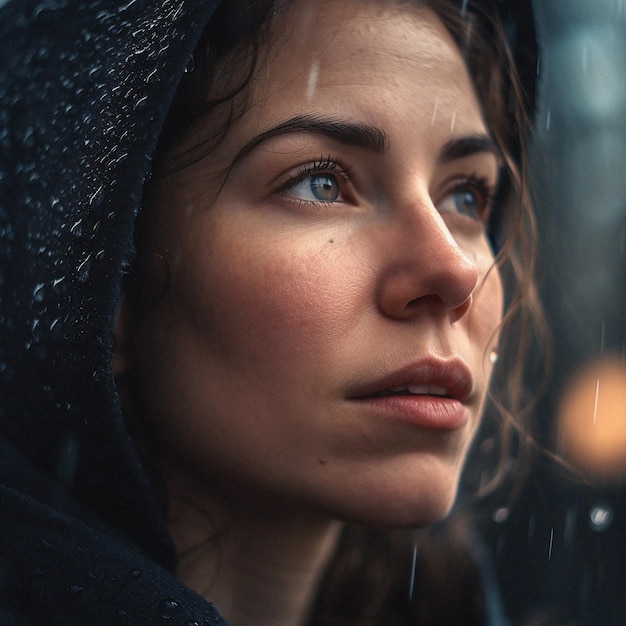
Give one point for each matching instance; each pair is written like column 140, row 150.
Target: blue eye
column 467, row 203
column 317, row 188
column 472, row 199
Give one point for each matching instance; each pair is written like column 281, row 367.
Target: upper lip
column 451, row 378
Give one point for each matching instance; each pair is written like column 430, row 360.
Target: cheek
column 254, row 293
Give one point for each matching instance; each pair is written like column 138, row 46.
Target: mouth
column 413, row 390
column 445, row 379
column 431, row 394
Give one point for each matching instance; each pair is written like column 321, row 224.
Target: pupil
column 324, row 188
column 466, row 203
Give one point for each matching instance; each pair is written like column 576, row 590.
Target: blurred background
column 560, row 550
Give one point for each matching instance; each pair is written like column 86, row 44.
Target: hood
column 84, row 88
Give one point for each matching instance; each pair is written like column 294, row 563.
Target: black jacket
column 84, row 88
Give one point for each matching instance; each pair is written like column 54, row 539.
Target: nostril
column 429, row 299
column 463, row 308
column 434, row 300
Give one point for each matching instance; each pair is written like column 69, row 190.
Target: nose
column 426, row 269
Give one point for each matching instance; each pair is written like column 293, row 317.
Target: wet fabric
column 84, row 87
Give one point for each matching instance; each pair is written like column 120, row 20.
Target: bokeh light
column 591, row 419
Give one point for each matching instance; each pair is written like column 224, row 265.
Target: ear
column 121, row 340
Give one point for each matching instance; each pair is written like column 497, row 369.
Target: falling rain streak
column 412, row 579
column 551, row 543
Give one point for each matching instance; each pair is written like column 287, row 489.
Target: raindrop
column 551, row 544
column 453, row 122
column 126, row 7
column 38, row 293
column 412, row 580
column 191, row 622
column 312, row 82
column 96, row 195
column 49, row 5
column 83, row 269
column 121, row 613
column 151, row 75
column 74, row 588
column 132, row 576
column 35, row 330
column 168, row 608
column 600, row 518
column 595, row 403
column 76, row 228
column 501, row 515
column 191, row 65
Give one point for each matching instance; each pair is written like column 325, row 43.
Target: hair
column 368, row 581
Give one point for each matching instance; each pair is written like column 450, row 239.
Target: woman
column 307, row 333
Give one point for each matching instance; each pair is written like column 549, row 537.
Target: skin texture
column 280, row 309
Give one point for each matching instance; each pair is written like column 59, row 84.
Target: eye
column 471, row 197
column 317, row 188
column 322, row 182
column 465, row 202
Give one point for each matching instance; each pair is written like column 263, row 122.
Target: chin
column 416, row 515
column 403, row 508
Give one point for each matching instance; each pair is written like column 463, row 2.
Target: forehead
column 392, row 32
column 386, row 63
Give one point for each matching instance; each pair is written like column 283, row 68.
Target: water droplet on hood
column 38, row 292
column 191, row 65
column 168, row 608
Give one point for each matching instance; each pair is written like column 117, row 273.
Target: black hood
column 84, row 90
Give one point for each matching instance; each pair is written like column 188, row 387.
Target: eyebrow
column 461, row 147
column 354, row 134
column 365, row 137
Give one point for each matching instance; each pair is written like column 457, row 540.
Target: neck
column 256, row 565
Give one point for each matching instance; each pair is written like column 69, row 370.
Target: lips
column 415, row 390
column 430, row 394
column 449, row 379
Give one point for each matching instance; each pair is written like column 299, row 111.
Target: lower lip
column 428, row 412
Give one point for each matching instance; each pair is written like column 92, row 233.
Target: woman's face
column 322, row 341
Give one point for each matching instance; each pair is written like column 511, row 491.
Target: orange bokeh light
column 591, row 419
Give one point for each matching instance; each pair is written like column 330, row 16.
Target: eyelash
column 324, row 165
